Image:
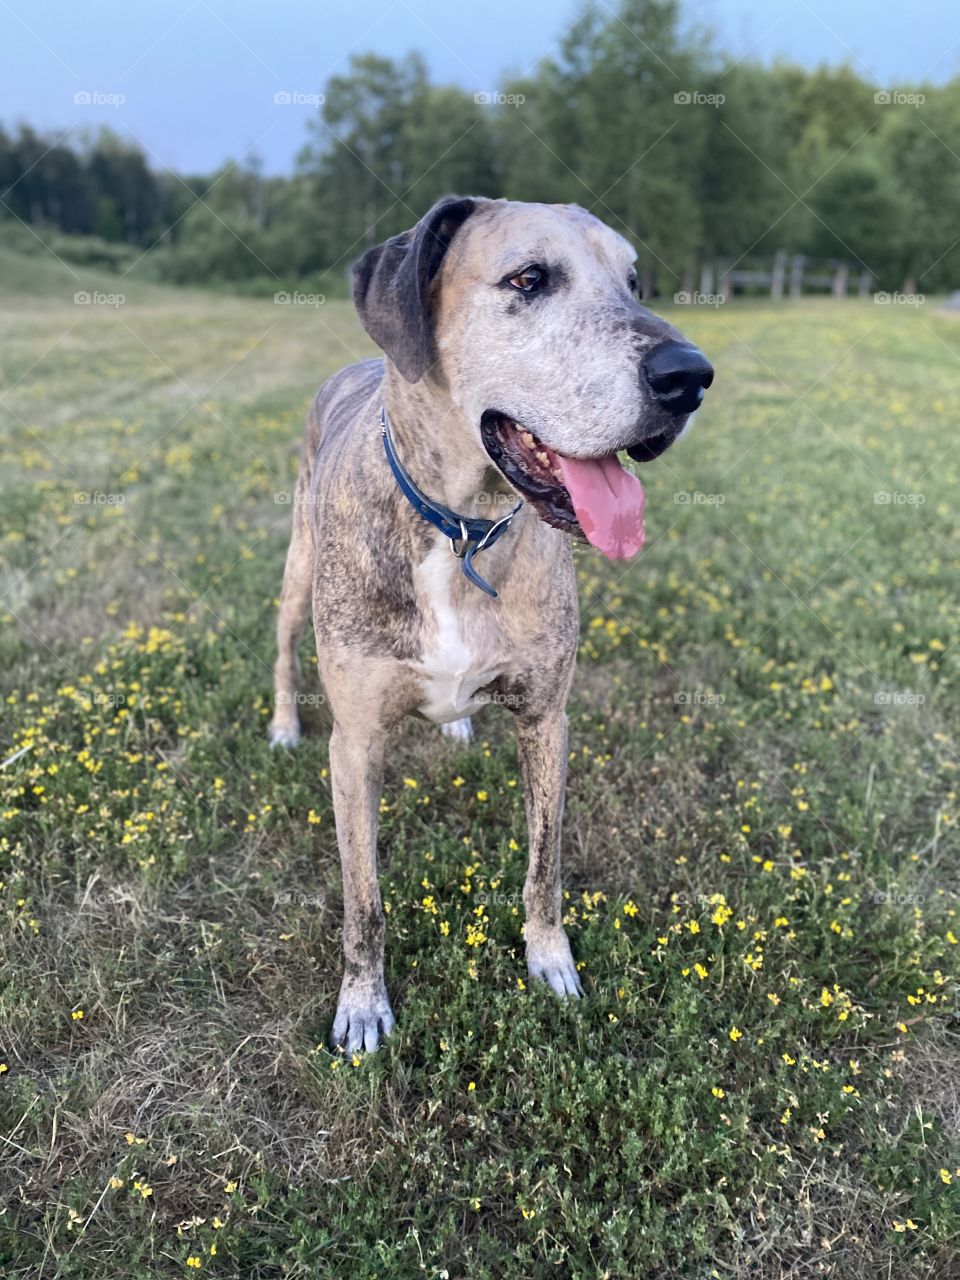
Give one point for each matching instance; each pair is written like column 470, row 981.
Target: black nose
column 678, row 376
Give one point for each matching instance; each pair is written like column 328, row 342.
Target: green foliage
column 694, row 157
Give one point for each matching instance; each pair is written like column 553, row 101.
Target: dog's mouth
column 594, row 498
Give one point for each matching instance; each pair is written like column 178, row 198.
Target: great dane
column 439, row 492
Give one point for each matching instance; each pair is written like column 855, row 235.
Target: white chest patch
column 453, row 668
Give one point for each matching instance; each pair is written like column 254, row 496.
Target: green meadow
column 760, row 849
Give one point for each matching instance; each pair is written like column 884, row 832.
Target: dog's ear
column 391, row 285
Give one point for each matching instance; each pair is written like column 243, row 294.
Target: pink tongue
column 608, row 501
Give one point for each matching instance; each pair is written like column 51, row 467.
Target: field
column 760, row 844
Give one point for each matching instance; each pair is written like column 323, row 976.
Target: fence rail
column 789, row 273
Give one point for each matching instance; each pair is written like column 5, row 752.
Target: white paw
column 364, row 1017
column 458, row 730
column 550, row 960
column 283, row 735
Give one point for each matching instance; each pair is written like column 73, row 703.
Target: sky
column 195, row 82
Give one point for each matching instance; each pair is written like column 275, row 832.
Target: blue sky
column 193, row 81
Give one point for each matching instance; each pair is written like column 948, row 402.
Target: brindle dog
column 518, row 362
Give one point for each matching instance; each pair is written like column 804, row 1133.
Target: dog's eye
column 529, row 280
column 632, row 284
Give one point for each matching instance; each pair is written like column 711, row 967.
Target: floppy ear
column 391, row 285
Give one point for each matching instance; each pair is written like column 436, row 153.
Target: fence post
column 706, row 279
column 863, row 288
column 779, row 270
column 839, row 287
column 796, row 275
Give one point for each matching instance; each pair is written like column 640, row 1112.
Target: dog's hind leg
column 294, row 610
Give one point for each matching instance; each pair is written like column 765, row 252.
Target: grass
column 760, row 847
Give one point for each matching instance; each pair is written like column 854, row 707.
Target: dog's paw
column 283, row 735
column 364, row 1018
column 550, row 960
column 459, row 730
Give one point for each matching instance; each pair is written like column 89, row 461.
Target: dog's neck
column 439, row 451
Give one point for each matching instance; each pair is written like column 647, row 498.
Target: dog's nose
column 678, row 375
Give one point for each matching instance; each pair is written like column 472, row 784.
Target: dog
column 440, row 490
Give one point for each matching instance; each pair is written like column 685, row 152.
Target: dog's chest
column 459, row 656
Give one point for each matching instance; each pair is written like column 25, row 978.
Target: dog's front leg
column 356, row 770
column 542, row 746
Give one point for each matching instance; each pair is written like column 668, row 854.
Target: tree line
column 694, row 158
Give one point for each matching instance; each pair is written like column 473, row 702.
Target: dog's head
column 528, row 315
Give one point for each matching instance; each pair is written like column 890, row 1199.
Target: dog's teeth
column 542, row 456
column 527, row 439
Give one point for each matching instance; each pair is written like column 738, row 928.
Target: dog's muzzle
column 677, row 374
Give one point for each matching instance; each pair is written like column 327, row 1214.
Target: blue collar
column 467, row 535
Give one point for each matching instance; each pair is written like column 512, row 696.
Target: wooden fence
column 792, row 274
